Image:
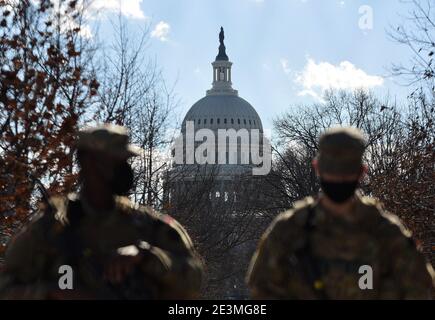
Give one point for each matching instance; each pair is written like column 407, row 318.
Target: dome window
column 232, row 121
column 218, row 120
column 249, row 122
column 244, row 121
column 211, row 121
column 205, row 121
column 225, row 120
column 199, row 121
column 238, row 121
column 254, row 122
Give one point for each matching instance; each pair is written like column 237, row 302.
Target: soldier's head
column 102, row 153
column 339, row 162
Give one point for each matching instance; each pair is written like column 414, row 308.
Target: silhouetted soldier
column 339, row 245
column 116, row 249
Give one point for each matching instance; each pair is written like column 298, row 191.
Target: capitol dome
column 217, row 178
column 223, row 112
column 222, row 108
column 233, row 152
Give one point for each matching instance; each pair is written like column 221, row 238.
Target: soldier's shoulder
column 370, row 201
column 33, row 239
column 384, row 222
column 287, row 230
column 132, row 209
column 371, row 209
column 297, row 215
column 163, row 226
column 391, row 225
column 60, row 206
column 47, row 212
column 291, row 223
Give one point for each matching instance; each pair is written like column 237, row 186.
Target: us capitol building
column 216, row 201
column 221, row 108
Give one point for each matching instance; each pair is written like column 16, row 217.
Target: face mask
column 338, row 191
column 122, row 180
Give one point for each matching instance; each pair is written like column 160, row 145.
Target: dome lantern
column 222, row 107
column 222, row 84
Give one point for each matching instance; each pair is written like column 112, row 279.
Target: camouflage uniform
column 309, row 253
column 70, row 232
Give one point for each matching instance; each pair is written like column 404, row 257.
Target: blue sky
column 285, row 52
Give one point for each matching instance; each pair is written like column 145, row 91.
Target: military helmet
column 341, row 150
column 109, row 139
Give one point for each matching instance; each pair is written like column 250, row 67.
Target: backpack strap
column 312, row 271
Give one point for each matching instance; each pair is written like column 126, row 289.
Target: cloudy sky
column 285, row 52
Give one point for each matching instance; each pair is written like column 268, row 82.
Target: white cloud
column 318, row 77
column 96, row 9
column 128, row 8
column 161, row 31
column 285, row 66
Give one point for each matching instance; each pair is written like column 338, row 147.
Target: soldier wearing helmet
column 339, row 244
column 116, row 249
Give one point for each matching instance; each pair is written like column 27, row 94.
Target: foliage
column 46, row 86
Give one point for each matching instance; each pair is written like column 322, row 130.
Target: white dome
column 222, row 108
column 223, row 112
